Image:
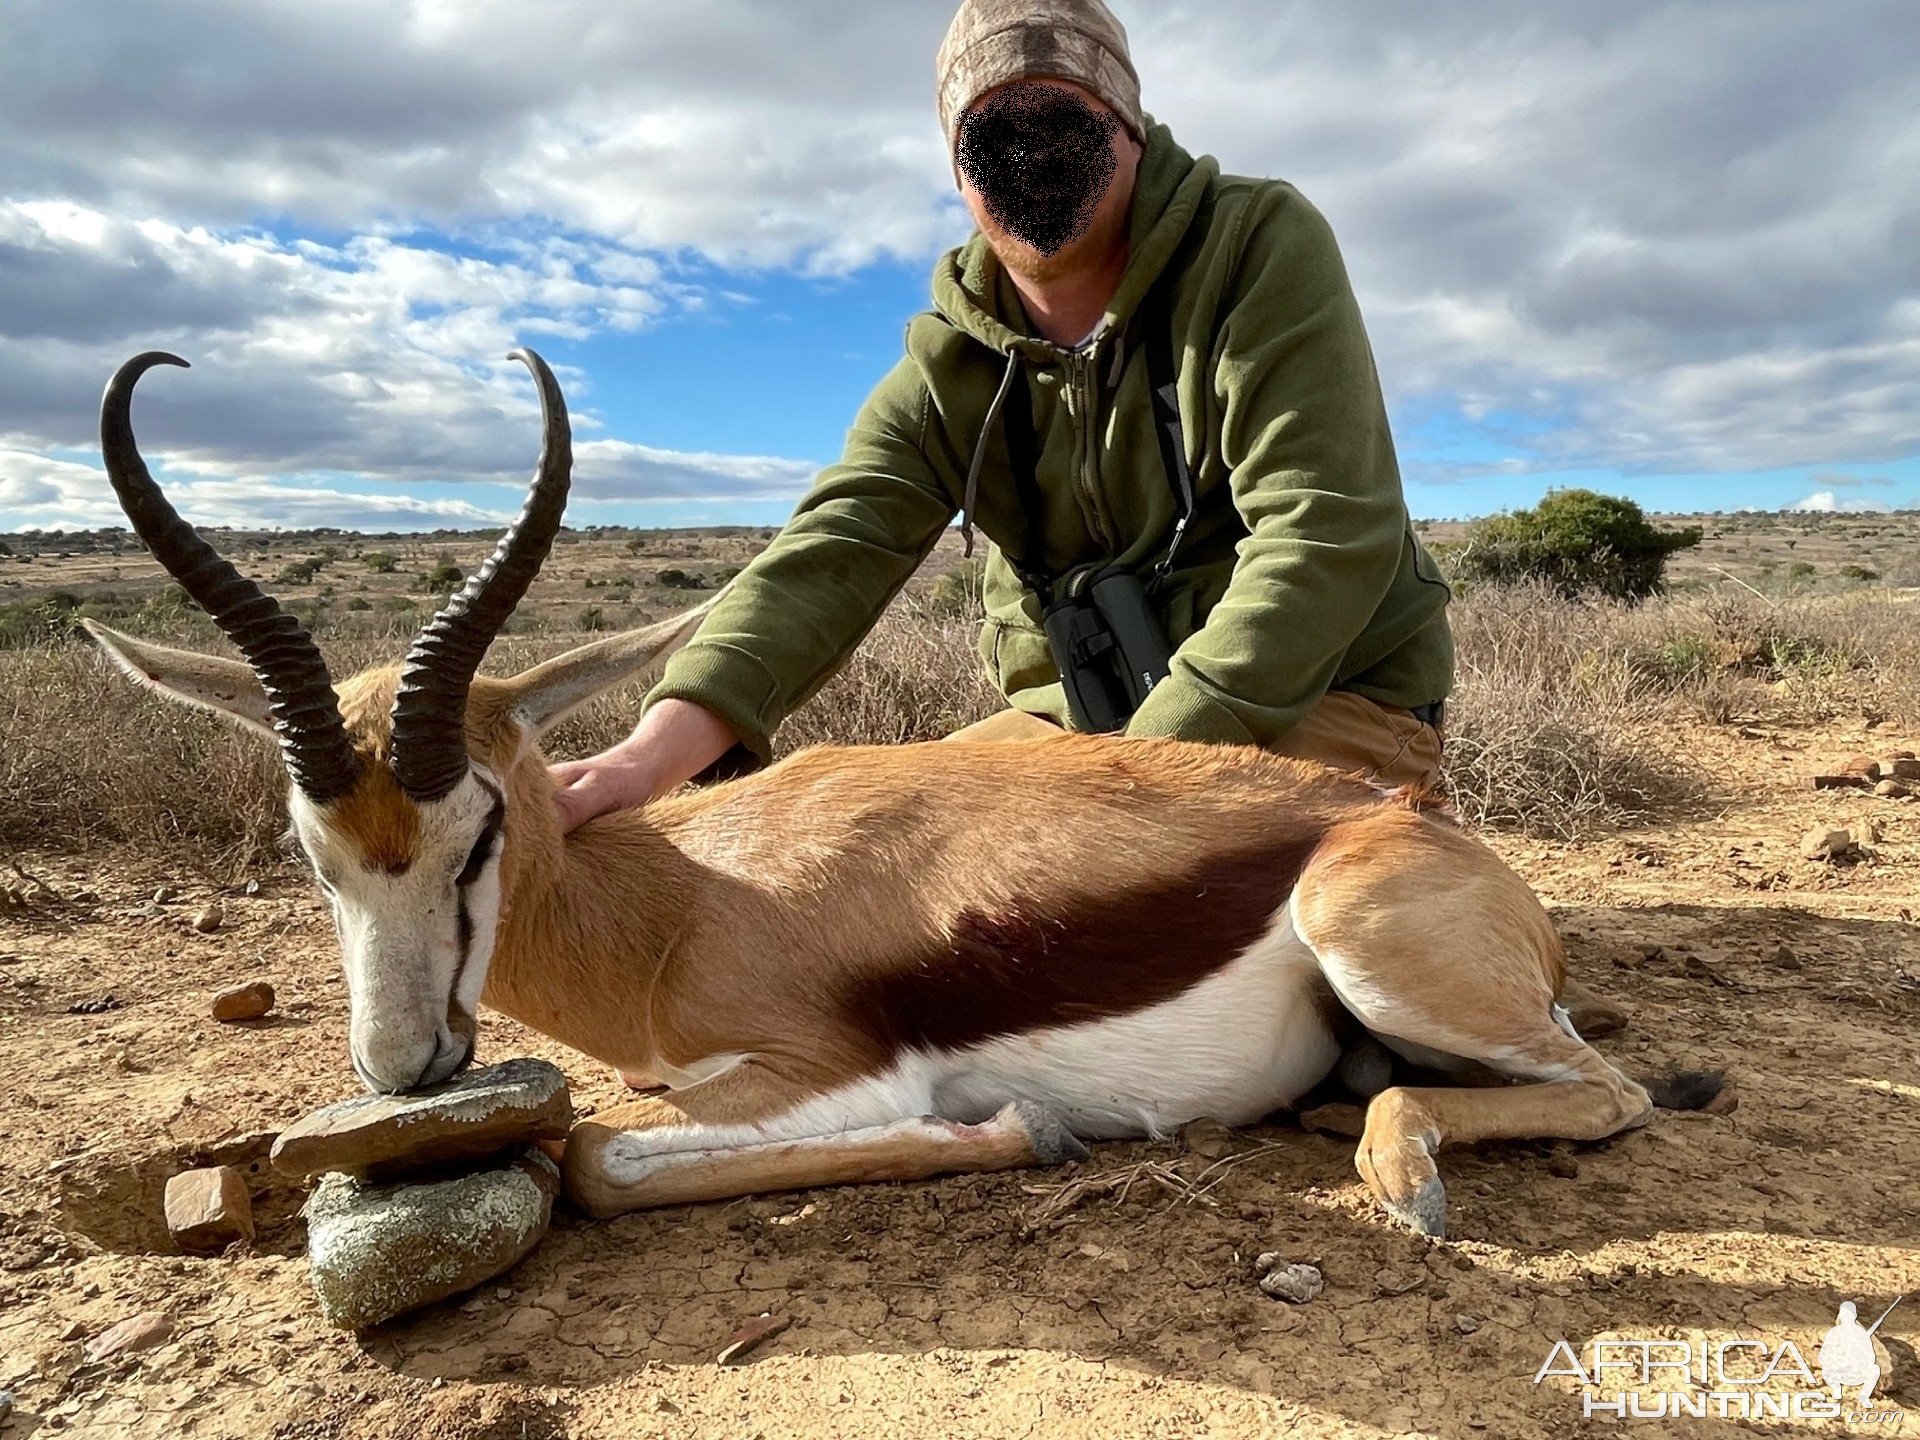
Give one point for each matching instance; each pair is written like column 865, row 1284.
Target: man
column 1303, row 614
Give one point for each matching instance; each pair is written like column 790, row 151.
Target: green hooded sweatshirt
column 1300, row 571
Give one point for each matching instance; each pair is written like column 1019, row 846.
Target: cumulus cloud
column 1825, row 502
column 1639, row 235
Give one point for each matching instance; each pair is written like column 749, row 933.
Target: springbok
column 877, row 962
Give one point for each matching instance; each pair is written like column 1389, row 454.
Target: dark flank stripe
column 1030, row 967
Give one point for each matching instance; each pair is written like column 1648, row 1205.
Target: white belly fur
column 1247, row 1040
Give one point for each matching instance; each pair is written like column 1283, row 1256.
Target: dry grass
column 1568, row 717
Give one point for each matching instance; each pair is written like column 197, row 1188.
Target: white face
column 417, row 921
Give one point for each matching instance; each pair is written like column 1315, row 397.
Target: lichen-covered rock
column 471, row 1117
column 378, row 1251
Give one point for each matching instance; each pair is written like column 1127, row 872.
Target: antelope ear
column 228, row 688
column 543, row 696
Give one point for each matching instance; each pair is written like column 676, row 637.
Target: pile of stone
column 429, row 1194
column 1894, row 777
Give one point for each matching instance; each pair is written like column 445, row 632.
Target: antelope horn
column 300, row 698
column 430, row 708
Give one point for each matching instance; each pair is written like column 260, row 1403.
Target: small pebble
column 1563, row 1166
column 243, row 1002
column 1467, row 1323
column 1297, row 1283
column 165, row 894
column 209, row 920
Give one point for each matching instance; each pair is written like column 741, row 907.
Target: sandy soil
column 937, row 1309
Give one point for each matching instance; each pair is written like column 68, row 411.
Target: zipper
column 1083, row 367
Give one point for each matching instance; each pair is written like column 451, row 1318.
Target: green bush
column 444, row 578
column 957, row 592
column 591, row 618
column 380, row 562
column 1576, row 541
column 1859, row 572
column 680, row 580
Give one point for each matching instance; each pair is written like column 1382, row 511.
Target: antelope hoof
column 1048, row 1136
column 1407, row 1184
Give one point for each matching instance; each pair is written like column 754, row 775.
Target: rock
column 757, row 1331
column 1785, row 959
column 243, row 1002
column 378, row 1251
column 474, row 1115
column 6, row 1405
column 1893, row 790
column 207, row 1210
column 1466, row 1324
column 166, row 894
column 1565, row 1167
column 98, row 1006
column 1208, row 1139
column 1725, row 1102
column 1900, row 768
column 1820, row 843
column 1297, row 1283
column 209, row 920
column 1841, row 782
column 129, row 1337
column 1864, row 767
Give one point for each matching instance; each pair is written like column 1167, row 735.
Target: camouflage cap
column 994, row 41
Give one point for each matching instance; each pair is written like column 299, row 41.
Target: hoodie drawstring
column 972, row 491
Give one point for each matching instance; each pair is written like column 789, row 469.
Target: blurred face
column 1047, row 172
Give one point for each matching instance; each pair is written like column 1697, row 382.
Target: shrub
column 957, row 592
column 1859, row 572
column 591, row 618
column 1576, row 541
column 380, row 562
column 680, row 580
column 444, row 578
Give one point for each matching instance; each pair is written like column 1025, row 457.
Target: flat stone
column 1893, row 790
column 1900, row 767
column 208, row 1210
column 378, row 1251
column 243, row 1002
column 142, row 1332
column 1841, row 782
column 472, row 1116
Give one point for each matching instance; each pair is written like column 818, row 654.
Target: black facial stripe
column 463, row 927
column 483, row 847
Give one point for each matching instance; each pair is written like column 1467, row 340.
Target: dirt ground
column 938, row 1308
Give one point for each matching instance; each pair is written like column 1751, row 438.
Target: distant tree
column 444, row 578
column 1577, row 541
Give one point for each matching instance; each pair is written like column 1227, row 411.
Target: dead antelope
column 875, row 963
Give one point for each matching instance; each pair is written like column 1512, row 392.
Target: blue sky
column 1667, row 250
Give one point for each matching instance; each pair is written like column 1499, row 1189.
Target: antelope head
column 401, row 806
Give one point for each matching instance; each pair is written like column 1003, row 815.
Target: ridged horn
column 430, row 708
column 300, row 698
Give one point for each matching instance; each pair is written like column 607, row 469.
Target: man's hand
column 673, row 742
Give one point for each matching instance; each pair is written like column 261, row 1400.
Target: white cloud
column 1825, row 502
column 1634, row 234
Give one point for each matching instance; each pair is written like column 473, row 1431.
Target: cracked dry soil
column 931, row 1309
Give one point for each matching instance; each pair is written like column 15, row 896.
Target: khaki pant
column 1345, row 731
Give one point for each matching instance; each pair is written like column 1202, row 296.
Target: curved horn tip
column 530, row 358
column 133, row 369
